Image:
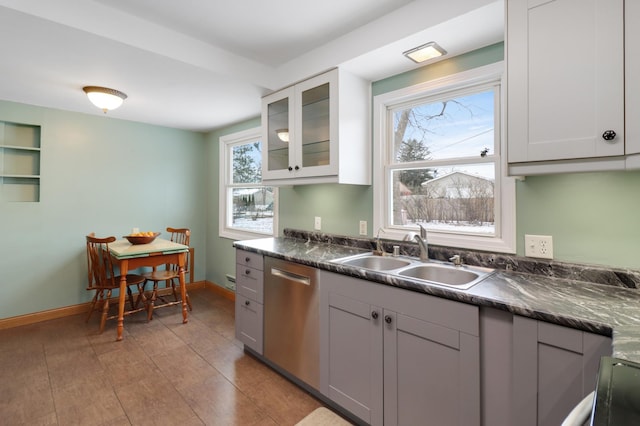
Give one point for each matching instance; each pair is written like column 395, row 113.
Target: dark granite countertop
column 605, row 309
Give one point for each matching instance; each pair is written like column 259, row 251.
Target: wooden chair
column 103, row 280
column 170, row 274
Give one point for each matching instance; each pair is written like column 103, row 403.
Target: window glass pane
column 452, row 198
column 247, row 163
column 315, row 126
column 253, row 209
column 460, row 126
column 278, row 148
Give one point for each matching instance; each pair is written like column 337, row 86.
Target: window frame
column 225, row 197
column 504, row 240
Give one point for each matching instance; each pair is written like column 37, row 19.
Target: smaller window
column 247, row 208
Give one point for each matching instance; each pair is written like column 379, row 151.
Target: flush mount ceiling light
column 425, row 52
column 283, row 134
column 104, row 98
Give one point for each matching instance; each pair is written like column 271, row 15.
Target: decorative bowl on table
column 142, row 237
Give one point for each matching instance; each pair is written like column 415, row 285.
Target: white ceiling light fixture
column 283, row 134
column 425, row 52
column 104, row 98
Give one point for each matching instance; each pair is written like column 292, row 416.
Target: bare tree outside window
column 434, row 178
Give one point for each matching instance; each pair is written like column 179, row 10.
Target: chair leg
column 93, row 305
column 131, row 301
column 151, row 304
column 173, row 288
column 105, row 310
column 141, row 297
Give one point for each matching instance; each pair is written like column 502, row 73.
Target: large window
column 438, row 162
column 247, row 209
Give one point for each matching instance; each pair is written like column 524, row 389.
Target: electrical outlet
column 540, row 246
column 363, row 227
column 317, row 224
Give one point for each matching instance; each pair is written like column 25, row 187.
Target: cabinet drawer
column 249, row 282
column 249, row 322
column 247, row 258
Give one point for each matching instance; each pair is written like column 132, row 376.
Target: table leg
column 183, row 288
column 124, row 266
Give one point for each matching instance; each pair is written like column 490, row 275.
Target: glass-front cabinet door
column 317, row 106
column 301, row 130
column 278, row 114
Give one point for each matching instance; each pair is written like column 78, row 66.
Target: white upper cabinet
column 566, row 87
column 326, row 122
column 632, row 72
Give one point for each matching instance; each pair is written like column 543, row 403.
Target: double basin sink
column 432, row 272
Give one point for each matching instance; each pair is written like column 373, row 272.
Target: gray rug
column 323, row 417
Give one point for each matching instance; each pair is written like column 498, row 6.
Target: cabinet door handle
column 247, row 259
column 247, row 303
column 297, row 167
column 291, row 168
column 387, row 319
column 247, row 271
column 609, row 135
column 374, row 314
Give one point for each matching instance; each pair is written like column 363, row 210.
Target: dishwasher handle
column 300, row 279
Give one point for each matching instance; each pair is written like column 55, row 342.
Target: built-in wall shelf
column 19, row 162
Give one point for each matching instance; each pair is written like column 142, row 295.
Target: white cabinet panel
column 328, row 122
column 565, row 64
column 632, row 71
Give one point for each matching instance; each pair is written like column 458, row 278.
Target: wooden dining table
column 129, row 256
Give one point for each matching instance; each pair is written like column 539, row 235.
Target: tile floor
column 62, row 372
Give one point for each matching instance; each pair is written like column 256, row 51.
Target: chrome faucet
column 422, row 242
column 379, row 251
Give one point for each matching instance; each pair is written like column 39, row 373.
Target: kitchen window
column 247, row 208
column 438, row 163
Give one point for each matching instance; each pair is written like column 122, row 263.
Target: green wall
column 106, row 176
column 100, row 175
column 591, row 216
column 477, row 58
column 341, row 207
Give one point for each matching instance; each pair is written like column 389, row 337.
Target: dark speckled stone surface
column 583, row 297
column 626, row 278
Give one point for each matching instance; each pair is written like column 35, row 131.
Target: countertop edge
column 625, row 337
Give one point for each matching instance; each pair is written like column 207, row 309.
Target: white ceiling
column 204, row 64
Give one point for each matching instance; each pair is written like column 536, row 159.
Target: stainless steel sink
column 459, row 277
column 376, row 263
column 433, row 272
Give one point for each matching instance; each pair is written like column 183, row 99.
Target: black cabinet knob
column 247, row 259
column 247, row 303
column 387, row 319
column 608, row 135
column 374, row 315
column 290, row 168
column 247, row 271
column 297, row 167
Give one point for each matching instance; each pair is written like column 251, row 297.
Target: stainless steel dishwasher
column 291, row 319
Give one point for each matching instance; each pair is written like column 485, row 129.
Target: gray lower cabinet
column 353, row 355
column 554, row 367
column 424, row 349
column 249, row 299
